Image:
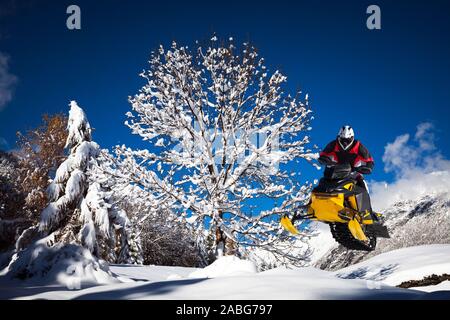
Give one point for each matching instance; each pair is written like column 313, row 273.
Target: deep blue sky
column 381, row 82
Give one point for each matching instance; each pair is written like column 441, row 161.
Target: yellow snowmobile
column 342, row 204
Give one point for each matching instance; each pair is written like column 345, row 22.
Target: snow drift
column 69, row 266
column 401, row 265
column 226, row 266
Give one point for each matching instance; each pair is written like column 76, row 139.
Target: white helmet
column 346, row 137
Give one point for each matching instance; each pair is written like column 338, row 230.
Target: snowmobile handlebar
column 363, row 170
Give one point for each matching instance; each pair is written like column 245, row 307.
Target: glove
column 326, row 161
column 363, row 170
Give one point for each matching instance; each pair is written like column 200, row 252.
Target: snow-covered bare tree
column 41, row 151
column 165, row 237
column 12, row 200
column 224, row 138
column 169, row 242
column 25, row 174
column 155, row 229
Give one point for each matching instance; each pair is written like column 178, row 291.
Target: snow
column 78, row 126
column 159, row 142
column 443, row 286
column 275, row 284
column 225, row 266
column 151, row 273
column 95, row 202
column 192, row 219
column 60, row 266
column 75, row 185
column 397, row 266
column 232, row 278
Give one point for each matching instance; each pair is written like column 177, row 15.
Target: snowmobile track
column 342, row 235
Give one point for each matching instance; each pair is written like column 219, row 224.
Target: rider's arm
column 328, row 155
column 364, row 162
column 326, row 161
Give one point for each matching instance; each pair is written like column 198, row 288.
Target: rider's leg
column 365, row 197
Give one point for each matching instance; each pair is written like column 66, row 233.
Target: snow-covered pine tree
column 69, row 212
column 80, row 210
column 222, row 132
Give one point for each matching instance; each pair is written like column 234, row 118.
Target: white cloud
column 397, row 155
column 425, row 136
column 419, row 168
column 7, row 81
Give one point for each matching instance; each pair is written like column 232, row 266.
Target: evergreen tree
column 81, row 209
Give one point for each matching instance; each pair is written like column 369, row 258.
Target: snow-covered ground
column 232, row 278
column 443, row 286
column 397, row 266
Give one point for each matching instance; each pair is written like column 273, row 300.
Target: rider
column 346, row 150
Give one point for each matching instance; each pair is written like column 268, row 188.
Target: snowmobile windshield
column 338, row 172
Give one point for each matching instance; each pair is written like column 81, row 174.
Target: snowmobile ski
column 288, row 225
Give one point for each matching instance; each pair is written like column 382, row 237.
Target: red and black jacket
column 356, row 155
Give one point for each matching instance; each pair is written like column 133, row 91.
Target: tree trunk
column 225, row 246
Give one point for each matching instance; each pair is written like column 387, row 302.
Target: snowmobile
column 345, row 207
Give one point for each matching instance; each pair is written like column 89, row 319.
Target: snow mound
column 443, row 286
column 224, row 267
column 151, row 273
column 394, row 267
column 67, row 265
